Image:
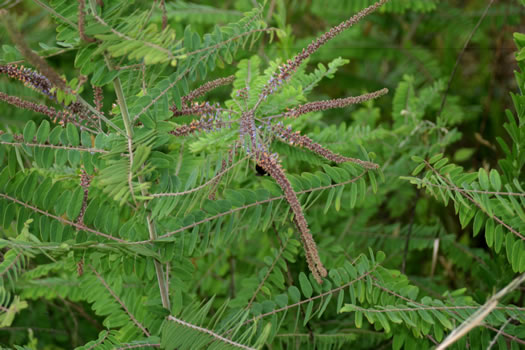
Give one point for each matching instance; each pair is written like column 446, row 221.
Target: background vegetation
column 417, row 249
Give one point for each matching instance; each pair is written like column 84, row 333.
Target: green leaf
column 73, row 209
column 479, row 219
column 498, row 238
column 308, row 312
column 373, row 181
column 495, row 180
column 463, row 154
column 295, row 294
column 489, row 232
column 435, row 158
column 29, row 131
column 306, row 287
column 425, row 316
column 418, row 169
column 358, row 319
column 54, row 135
column 483, row 179
column 62, row 203
column 439, row 164
column 340, row 300
column 517, row 252
column 338, row 198
column 353, row 195
column 72, row 135
column 43, row 132
column 331, row 194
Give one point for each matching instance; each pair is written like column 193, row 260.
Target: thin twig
column 270, row 269
column 455, row 188
column 62, row 220
column 41, row 145
column 54, row 13
column 195, row 189
column 495, row 339
column 456, row 65
column 211, row 333
column 332, row 291
column 501, row 222
column 81, row 22
column 121, row 303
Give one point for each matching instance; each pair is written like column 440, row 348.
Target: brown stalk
column 81, row 22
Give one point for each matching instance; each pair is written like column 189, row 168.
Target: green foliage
column 123, row 234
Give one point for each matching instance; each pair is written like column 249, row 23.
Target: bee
column 260, row 171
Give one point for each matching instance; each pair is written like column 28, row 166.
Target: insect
column 260, row 171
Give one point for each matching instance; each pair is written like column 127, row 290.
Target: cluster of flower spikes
column 204, row 108
column 29, row 77
column 243, row 93
column 40, row 83
column 201, row 90
column 207, row 122
column 283, row 74
column 270, row 162
column 35, row 107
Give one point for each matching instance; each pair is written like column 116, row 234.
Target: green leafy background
column 413, row 249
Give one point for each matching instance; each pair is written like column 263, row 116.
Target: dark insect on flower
column 260, row 170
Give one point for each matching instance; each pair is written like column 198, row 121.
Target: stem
column 163, row 287
column 127, row 124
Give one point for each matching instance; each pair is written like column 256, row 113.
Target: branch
column 121, row 303
column 163, row 285
column 270, row 269
column 41, row 145
column 195, row 189
column 456, row 65
column 231, row 211
column 211, row 333
column 501, row 222
column 79, row 227
column 322, row 295
column 455, row 188
column 81, row 22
